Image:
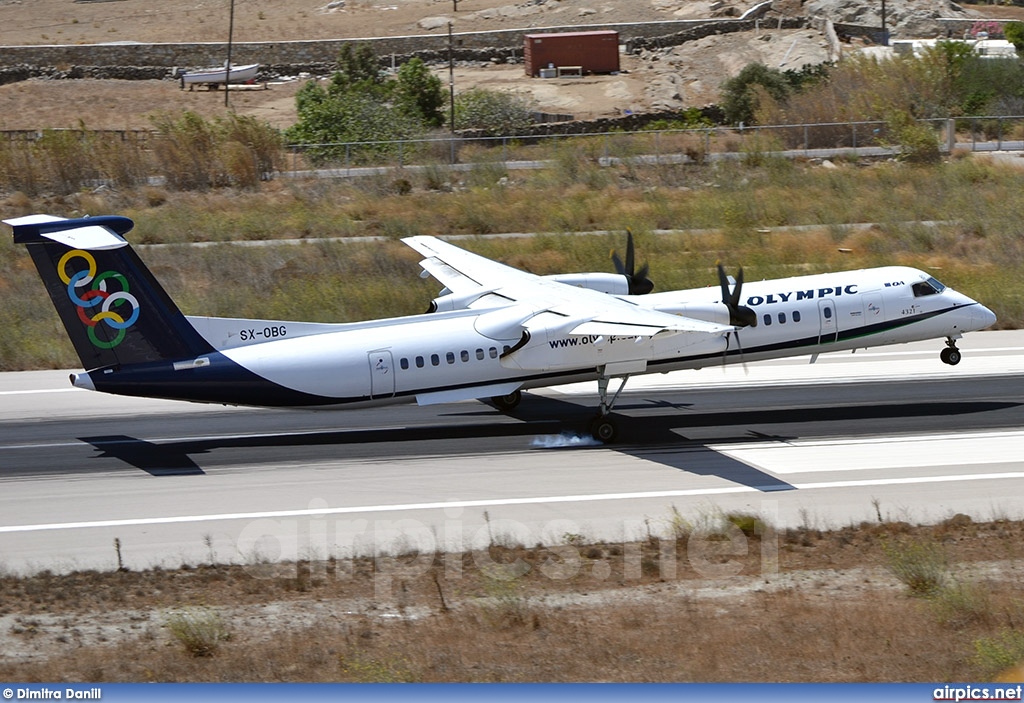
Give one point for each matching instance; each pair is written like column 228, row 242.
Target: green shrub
column 493, row 112
column 742, row 94
column 506, row 603
column 921, row 566
column 749, row 524
column 360, row 668
column 995, row 654
column 918, row 143
column 199, row 630
column 961, row 604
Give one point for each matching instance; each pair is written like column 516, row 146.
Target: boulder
column 909, row 18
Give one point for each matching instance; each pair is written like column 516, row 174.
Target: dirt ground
column 98, row 21
column 836, row 588
column 686, row 76
column 677, row 78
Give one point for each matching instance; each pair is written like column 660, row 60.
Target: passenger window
column 465, row 355
column 450, row 357
column 419, row 362
column 435, row 360
column 480, row 354
column 767, row 320
column 796, row 316
column 782, row 318
column 505, row 349
column 494, row 352
column 404, row 363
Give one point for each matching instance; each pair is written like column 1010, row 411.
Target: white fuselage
column 448, row 356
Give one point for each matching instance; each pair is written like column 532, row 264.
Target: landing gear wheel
column 604, row 429
column 951, row 356
column 507, row 402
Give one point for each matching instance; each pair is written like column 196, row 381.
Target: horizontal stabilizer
column 88, row 233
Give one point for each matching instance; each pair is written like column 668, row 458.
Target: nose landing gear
column 950, row 355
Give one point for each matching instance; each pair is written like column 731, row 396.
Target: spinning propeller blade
column 639, row 283
column 739, row 315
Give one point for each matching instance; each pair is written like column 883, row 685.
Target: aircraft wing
column 461, row 271
column 535, row 303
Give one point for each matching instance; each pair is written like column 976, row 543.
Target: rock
column 902, row 17
column 429, row 23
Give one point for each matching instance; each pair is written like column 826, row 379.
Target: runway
column 890, row 432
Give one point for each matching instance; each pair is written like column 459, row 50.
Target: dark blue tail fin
column 114, row 310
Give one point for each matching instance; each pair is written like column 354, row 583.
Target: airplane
column 492, row 332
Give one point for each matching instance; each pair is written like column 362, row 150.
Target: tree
column 360, row 103
column 355, row 66
column 740, row 94
column 1014, row 33
column 418, row 91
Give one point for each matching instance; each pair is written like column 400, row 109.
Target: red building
column 591, row 52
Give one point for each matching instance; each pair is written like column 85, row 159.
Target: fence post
column 999, row 138
column 951, row 134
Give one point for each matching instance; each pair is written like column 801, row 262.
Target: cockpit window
column 929, row 287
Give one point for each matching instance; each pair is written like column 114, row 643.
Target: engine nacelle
column 478, row 300
column 717, row 313
column 449, row 302
column 611, row 283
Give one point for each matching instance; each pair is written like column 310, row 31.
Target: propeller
column 739, row 315
column 639, row 283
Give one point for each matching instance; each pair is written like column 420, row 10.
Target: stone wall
column 313, row 54
column 625, row 123
column 708, row 29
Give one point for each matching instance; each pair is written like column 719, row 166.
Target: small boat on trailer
column 215, row 77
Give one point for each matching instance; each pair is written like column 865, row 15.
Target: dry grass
column 975, row 249
column 831, row 613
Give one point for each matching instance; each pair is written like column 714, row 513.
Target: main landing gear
column 603, row 427
column 506, row 403
column 950, row 355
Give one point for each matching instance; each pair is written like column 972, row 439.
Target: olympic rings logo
column 97, row 303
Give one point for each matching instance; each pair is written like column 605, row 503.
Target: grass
column 831, row 613
column 975, row 248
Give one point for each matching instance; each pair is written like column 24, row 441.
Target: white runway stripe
column 442, row 505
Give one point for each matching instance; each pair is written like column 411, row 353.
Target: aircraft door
column 829, row 321
column 874, row 309
column 382, row 374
